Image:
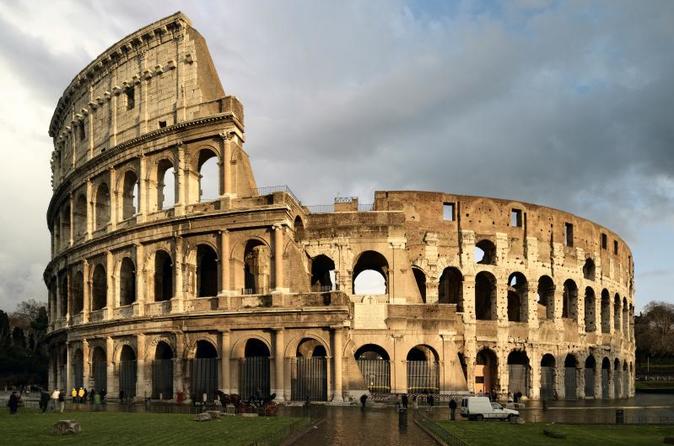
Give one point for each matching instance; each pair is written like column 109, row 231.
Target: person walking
column 13, row 403
column 73, row 394
column 405, row 400
column 430, row 400
column 81, row 394
column 62, row 400
column 55, row 398
column 452, row 409
column 363, row 400
column 44, row 400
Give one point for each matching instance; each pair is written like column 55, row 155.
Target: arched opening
column 450, row 289
column 127, row 282
column 617, row 379
column 548, row 373
column 625, row 318
column 80, row 216
column 129, row 195
column 485, row 252
column 626, row 380
column 605, row 311
column 518, row 291
column 322, row 273
column 605, row 377
column 370, row 274
column 375, row 367
column 420, row 279
column 589, row 269
column 162, row 372
column 617, row 325
column 56, row 233
column 256, row 266
column 204, row 372
column 209, row 176
column 485, row 296
column 570, row 300
column 590, row 316
column 422, row 370
column 99, row 288
column 570, row 377
column 546, row 298
column 63, row 292
column 298, row 226
column 254, row 382
column 102, row 206
column 99, row 369
column 65, row 226
column 163, row 276
column 309, row 372
column 78, row 369
column 518, row 373
column 464, row 366
column 77, row 288
column 486, row 376
column 207, row 271
column 127, row 373
column 590, row 366
column 166, row 195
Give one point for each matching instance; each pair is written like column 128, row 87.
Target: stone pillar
column 224, row 263
column 560, row 373
column 225, row 376
column 139, row 304
column 51, row 376
column 279, row 344
column 535, row 364
column 469, row 299
column 90, row 209
column 143, row 190
column 611, row 382
column 114, row 200
column 226, row 164
column 141, row 390
column 278, row 258
column 532, row 308
column 500, row 313
column 110, row 285
column 110, row 367
column 177, row 300
column 559, row 305
column 580, row 380
column 86, row 364
column 68, row 371
column 597, row 379
column 86, row 291
column 71, row 232
column 337, row 362
column 398, row 366
column 178, row 378
column 180, row 199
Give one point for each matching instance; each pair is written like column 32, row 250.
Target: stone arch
column 420, row 280
column 129, row 194
column 65, row 224
column 163, row 276
column 256, row 266
column 99, row 368
column 450, row 288
column 590, row 311
column 625, row 317
column 127, row 372
column 298, row 227
column 208, row 168
column 519, row 376
column 375, row 367
column 80, row 216
column 605, row 311
column 617, row 313
column 485, row 252
column 207, row 271
column 102, row 206
column 166, row 184
column 127, row 282
column 293, row 345
column 485, row 296
column 322, row 273
column 546, row 298
column 606, row 376
column 589, row 269
column 373, row 264
column 99, row 287
column 590, row 366
column 239, row 348
column 548, row 376
column 423, row 371
column 77, row 290
column 518, row 297
column 486, row 371
column 570, row 300
column 78, row 368
column 162, row 370
column 571, row 376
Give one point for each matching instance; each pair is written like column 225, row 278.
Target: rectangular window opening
column 82, row 133
column 448, row 211
column 615, row 247
column 568, row 234
column 162, row 124
column 604, row 241
column 516, row 218
column 130, row 98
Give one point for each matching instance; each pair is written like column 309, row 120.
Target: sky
column 564, row 104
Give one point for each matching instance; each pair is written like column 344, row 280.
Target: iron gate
column 626, row 384
column 127, row 378
column 589, row 382
column 570, row 383
column 518, row 378
column 547, row 382
column 100, row 375
column 162, row 379
column 78, row 375
column 204, row 378
column 616, row 384
column 604, row 384
column 422, row 377
column 309, row 379
column 254, row 377
column 376, row 374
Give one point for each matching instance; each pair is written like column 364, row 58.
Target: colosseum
column 158, row 289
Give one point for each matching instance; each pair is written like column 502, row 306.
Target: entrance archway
column 548, row 373
column 204, row 370
column 78, row 369
column 100, row 369
column 590, row 366
column 309, row 372
column 127, row 373
column 373, row 362
column 518, row 373
column 486, row 364
column 162, row 372
column 570, row 377
column 423, row 370
column 254, row 377
column 605, row 377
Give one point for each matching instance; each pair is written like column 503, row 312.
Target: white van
column 479, row 408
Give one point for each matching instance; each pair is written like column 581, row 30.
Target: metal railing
column 330, row 208
column 266, row 190
column 435, row 430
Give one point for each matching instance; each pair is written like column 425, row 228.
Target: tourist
column 13, row 403
column 363, row 400
column 73, row 394
column 452, row 409
column 62, row 400
column 81, row 394
column 430, row 400
column 55, row 398
column 121, row 397
column 415, row 402
column 44, row 400
column 405, row 400
column 92, row 396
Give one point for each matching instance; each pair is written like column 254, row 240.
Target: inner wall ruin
column 158, row 290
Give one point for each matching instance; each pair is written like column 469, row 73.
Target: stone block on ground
column 214, row 414
column 66, row 427
column 203, row 416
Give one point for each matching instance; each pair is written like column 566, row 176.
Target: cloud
column 567, row 104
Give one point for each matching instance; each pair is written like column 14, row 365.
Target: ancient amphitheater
column 156, row 289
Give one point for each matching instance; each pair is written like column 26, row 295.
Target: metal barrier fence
column 376, row 373
column 127, row 378
column 162, row 379
column 254, row 377
column 309, row 379
column 423, row 377
column 204, row 378
column 432, row 428
column 100, row 373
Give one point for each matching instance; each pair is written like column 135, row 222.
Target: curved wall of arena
column 155, row 291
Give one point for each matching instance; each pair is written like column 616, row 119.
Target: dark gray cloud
column 568, row 104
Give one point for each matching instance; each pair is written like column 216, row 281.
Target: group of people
column 82, row 396
column 55, row 400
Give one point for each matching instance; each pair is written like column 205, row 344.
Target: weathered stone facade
column 141, row 289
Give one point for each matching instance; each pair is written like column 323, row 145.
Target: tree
column 4, row 330
column 654, row 329
column 18, row 338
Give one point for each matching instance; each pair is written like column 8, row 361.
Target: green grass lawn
column 506, row 434
column 639, row 385
column 30, row 427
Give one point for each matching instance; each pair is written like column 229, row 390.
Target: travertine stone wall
column 135, row 278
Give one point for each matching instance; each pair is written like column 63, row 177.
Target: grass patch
column 506, row 434
column 31, row 427
column 653, row 385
